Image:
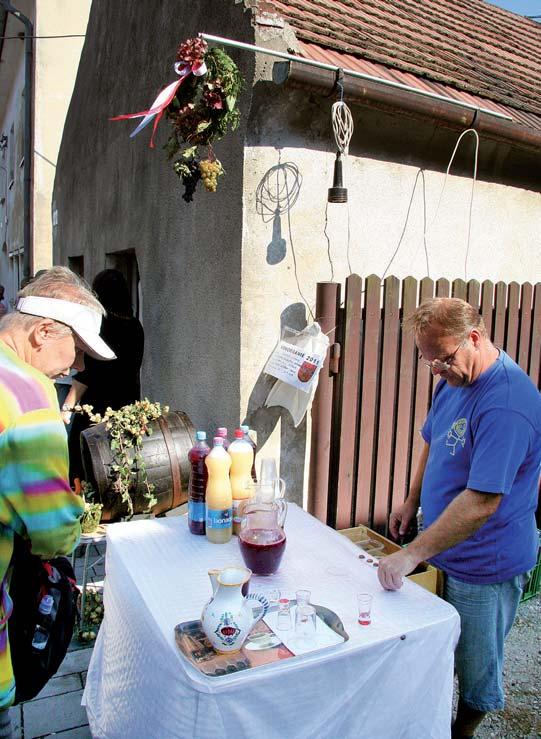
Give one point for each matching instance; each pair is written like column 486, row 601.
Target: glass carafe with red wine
column 262, row 538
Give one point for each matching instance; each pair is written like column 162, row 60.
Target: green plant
column 126, row 428
column 202, row 111
column 93, row 614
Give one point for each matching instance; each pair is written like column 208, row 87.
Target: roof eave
column 381, row 95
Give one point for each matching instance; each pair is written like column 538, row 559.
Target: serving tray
column 262, row 647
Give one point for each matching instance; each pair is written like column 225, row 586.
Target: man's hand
column 401, row 519
column 394, row 567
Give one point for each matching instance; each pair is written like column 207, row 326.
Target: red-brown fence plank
column 526, row 300
column 369, row 392
column 487, row 305
column 423, row 387
column 474, row 294
column 389, row 367
column 327, row 309
column 443, row 288
column 511, row 334
column 500, row 300
column 535, row 351
column 460, row 289
column 350, row 391
column 405, row 398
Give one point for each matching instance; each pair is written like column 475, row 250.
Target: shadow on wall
column 276, row 194
column 292, row 440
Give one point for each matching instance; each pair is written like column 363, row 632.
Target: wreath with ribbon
column 201, row 107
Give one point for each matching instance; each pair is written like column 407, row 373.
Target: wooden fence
column 373, row 393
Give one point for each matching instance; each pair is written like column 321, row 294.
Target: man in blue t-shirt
column 477, row 484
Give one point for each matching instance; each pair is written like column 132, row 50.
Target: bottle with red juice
column 197, row 484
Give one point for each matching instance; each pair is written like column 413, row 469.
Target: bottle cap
column 201, row 435
column 218, row 441
column 244, row 428
column 46, row 604
column 221, row 431
column 239, row 434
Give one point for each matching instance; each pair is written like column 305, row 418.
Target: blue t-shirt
column 486, row 437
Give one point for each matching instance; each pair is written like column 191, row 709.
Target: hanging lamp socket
column 337, row 193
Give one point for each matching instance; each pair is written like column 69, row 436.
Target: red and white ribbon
column 157, row 109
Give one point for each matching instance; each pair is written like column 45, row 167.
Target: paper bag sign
column 294, row 366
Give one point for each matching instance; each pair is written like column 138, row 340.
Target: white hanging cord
column 420, row 174
column 476, row 157
column 342, row 126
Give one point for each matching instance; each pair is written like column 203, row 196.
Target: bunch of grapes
column 190, row 175
column 210, row 171
column 192, row 50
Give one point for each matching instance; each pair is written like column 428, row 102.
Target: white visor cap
column 85, row 321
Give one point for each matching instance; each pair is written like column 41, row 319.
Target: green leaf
column 202, row 126
column 230, row 101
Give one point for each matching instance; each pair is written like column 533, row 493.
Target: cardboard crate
column 426, row 575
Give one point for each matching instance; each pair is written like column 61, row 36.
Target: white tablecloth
column 391, row 680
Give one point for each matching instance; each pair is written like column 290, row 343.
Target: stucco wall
column 218, row 275
column 56, row 62
column 113, row 193
column 292, row 128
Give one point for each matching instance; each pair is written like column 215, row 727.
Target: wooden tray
column 195, row 646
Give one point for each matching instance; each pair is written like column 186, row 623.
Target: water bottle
column 45, row 621
column 242, row 458
column 246, row 431
column 197, row 484
column 420, row 520
column 219, row 500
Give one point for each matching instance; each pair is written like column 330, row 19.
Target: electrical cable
column 22, row 37
column 476, row 158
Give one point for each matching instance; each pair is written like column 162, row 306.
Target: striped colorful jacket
column 35, row 497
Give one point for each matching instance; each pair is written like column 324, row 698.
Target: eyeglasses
column 442, row 365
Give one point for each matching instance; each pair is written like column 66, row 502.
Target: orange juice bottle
column 218, row 500
column 242, row 459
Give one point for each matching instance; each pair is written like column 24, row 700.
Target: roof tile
column 469, row 45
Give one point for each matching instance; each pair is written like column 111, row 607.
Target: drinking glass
column 303, row 597
column 364, row 607
column 268, row 473
column 305, row 622
column 283, row 619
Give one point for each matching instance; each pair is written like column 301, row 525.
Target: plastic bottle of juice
column 242, row 459
column 219, row 502
column 222, row 432
column 197, row 484
column 246, row 430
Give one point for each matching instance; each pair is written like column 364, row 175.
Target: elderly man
column 477, row 484
column 56, row 320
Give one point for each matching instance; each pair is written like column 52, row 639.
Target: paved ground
column 57, row 710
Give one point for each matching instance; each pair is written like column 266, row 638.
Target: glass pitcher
column 262, row 538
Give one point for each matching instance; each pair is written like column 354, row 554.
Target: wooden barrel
column 165, row 454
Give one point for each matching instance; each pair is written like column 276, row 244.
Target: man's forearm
column 462, row 518
column 414, row 494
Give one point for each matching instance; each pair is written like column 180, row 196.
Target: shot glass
column 305, row 622
column 364, row 606
column 273, row 596
column 303, row 597
column 283, row 618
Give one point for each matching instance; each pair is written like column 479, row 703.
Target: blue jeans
column 486, row 613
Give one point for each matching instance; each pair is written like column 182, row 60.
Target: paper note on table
column 324, row 636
